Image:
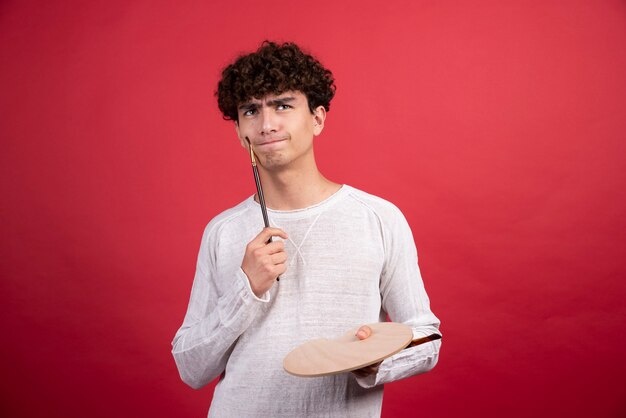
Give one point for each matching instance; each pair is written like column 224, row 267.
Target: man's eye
column 283, row 107
column 249, row 112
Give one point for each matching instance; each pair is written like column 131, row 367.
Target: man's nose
column 268, row 121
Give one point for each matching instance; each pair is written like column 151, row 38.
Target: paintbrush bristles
column 251, row 153
column 252, row 157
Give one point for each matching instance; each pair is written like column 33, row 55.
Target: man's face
column 280, row 127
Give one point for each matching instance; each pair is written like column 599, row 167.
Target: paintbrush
column 259, row 190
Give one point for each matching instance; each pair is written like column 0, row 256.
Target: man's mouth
column 270, row 141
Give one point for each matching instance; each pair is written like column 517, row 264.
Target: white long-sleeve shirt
column 351, row 261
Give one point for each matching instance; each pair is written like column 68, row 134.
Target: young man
column 345, row 258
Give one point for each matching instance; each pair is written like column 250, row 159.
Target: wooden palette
column 327, row 357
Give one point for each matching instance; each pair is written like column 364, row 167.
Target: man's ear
column 319, row 116
column 242, row 140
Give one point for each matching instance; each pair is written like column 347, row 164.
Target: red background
column 496, row 126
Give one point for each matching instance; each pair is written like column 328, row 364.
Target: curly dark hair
column 274, row 69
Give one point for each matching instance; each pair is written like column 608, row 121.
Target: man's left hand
column 363, row 333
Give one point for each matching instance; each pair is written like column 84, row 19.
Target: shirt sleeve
column 214, row 319
column 405, row 300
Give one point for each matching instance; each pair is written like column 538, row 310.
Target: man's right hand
column 263, row 261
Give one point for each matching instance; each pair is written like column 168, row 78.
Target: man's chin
column 274, row 161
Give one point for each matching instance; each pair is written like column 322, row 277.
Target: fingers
column 274, row 247
column 279, row 258
column 367, row 370
column 363, row 332
column 266, row 234
column 278, row 271
column 364, row 372
column 263, row 262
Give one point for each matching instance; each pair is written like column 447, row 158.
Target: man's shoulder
column 228, row 216
column 380, row 206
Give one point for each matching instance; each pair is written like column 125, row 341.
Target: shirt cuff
column 372, row 380
column 265, row 298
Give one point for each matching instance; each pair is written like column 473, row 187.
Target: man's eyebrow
column 247, row 106
column 273, row 102
column 280, row 100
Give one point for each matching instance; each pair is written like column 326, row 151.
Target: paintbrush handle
column 259, row 192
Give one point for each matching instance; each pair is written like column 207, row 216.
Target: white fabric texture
column 351, row 261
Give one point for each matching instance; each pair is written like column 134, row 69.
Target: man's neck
column 295, row 188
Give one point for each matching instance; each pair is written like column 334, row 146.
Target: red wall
column 498, row 128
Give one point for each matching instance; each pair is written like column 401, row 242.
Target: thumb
column 363, row 332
